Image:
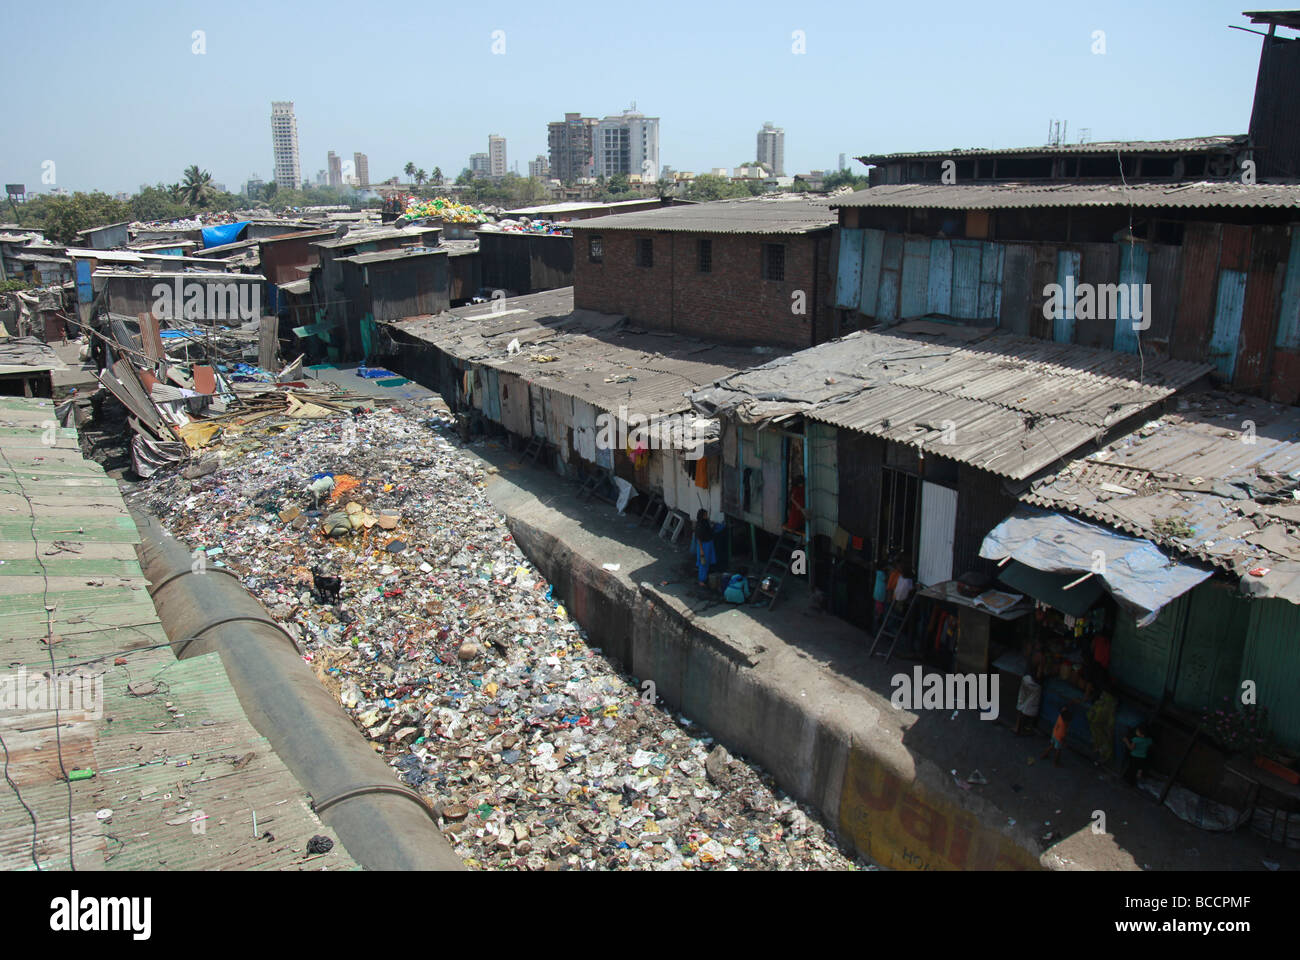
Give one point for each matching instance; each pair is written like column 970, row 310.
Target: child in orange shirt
column 1059, row 732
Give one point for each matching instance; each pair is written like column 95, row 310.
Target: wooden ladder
column 534, row 450
column 778, row 567
column 653, row 513
column 891, row 627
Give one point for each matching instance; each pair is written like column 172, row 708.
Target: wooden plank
column 1099, row 265
column 268, row 337
column 1268, row 258
column 1235, row 251
column 1018, row 300
column 1200, row 277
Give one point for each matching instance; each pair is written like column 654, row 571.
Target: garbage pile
column 446, row 209
column 370, row 537
column 528, row 225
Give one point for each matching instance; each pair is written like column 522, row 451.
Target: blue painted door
column 1227, row 321
column 1131, row 317
column 848, row 277
column 1068, row 265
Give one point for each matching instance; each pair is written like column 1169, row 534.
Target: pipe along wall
column 384, row 825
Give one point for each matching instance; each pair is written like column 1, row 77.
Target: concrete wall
column 899, row 810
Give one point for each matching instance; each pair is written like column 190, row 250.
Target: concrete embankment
column 829, row 741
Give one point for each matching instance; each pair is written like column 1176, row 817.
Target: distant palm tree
column 437, row 176
column 197, row 187
column 409, row 169
column 176, row 193
column 420, row 177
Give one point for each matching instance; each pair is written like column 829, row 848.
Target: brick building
column 737, row 271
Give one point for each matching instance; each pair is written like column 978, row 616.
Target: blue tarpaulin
column 1140, row 577
column 226, row 233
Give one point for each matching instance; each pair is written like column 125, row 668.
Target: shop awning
column 1053, row 588
column 1140, row 577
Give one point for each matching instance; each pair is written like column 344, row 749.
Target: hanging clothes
column 702, row 473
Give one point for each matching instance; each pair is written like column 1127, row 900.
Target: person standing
column 706, row 554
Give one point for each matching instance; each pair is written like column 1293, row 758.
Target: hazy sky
column 115, row 95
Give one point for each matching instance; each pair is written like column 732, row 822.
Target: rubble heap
column 372, row 540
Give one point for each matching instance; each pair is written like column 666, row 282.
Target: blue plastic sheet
column 1140, row 577
column 225, row 233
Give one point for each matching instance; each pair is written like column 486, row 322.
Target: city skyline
column 811, row 95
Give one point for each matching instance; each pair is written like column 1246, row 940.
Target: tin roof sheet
column 1007, row 404
column 599, row 358
column 181, row 783
column 1013, row 196
column 1217, row 479
column 759, row 215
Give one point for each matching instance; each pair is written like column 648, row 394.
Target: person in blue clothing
column 706, row 554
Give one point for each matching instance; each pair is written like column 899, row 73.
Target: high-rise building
column 771, row 149
column 362, row 164
column 284, row 143
column 479, row 165
column 627, row 144
column 496, row 155
column 570, row 144
column 539, row 169
column 335, row 166
column 841, row 161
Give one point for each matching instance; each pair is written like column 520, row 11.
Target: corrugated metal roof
column 175, row 758
column 598, row 358
column 1217, row 480
column 369, row 236
column 1007, row 404
column 1106, row 147
column 1013, row 196
column 760, row 215
column 28, row 355
column 573, row 206
column 401, row 253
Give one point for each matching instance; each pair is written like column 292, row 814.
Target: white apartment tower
column 284, row 142
column 496, row 155
column 771, row 149
column 627, row 144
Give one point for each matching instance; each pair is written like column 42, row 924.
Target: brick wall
column 733, row 303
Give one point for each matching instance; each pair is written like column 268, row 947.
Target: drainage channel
column 471, row 684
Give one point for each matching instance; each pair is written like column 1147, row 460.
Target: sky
column 115, row 95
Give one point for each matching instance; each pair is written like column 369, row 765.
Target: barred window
column 706, row 255
column 773, row 261
column 595, row 249
column 645, row 252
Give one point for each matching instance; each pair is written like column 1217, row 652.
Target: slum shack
column 896, row 448
column 1193, row 515
column 27, row 366
column 570, row 388
column 521, row 263
column 330, row 303
column 1207, row 272
column 388, row 285
column 736, row 271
